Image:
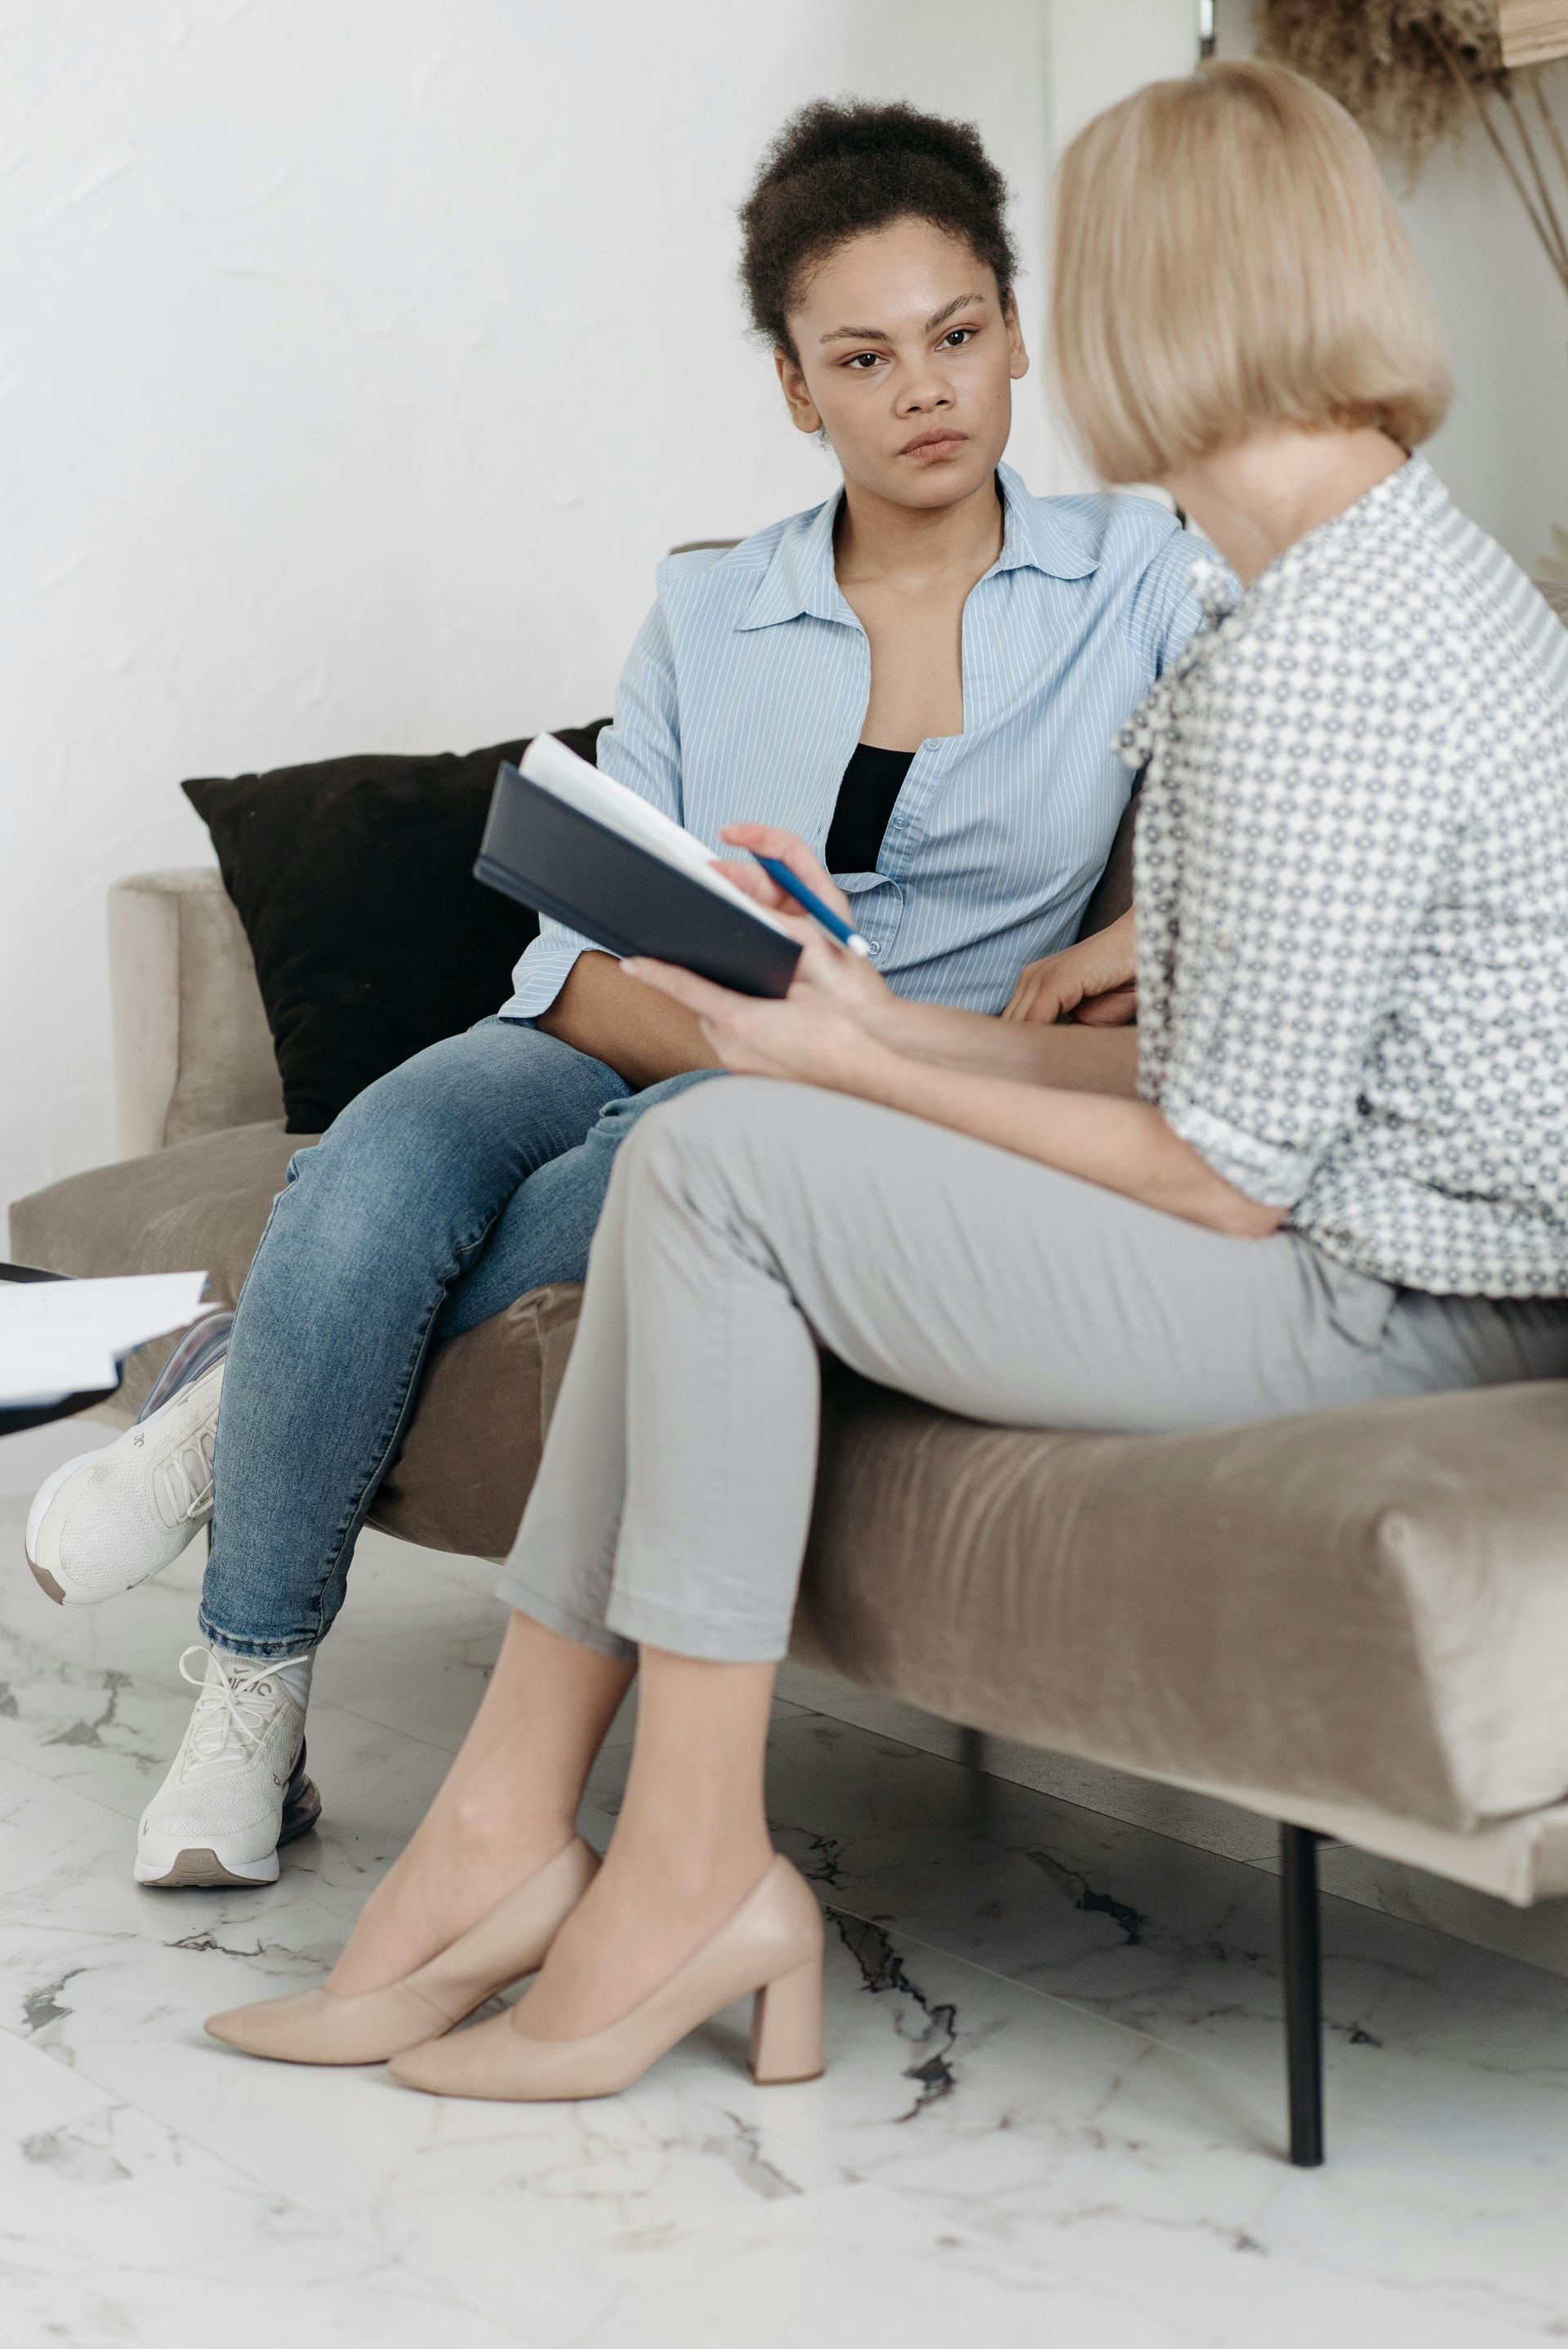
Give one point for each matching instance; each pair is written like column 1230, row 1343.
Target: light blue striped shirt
column 746, row 692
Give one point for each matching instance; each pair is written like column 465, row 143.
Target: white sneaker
column 110, row 1519
column 237, row 1788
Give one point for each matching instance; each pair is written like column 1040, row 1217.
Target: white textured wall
column 363, row 355
column 1097, row 50
column 1503, row 452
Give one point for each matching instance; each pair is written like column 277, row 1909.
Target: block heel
column 786, row 2028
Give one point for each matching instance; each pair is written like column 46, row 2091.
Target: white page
column 51, row 1368
column 558, row 770
column 59, row 1337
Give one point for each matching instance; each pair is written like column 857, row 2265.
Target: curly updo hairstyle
column 836, row 170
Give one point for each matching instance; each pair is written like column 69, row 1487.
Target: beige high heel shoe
column 771, row 1945
column 323, row 2026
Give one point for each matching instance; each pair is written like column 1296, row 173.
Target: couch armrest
column 193, row 1052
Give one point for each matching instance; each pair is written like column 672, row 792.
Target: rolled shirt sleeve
column 640, row 749
column 1286, row 856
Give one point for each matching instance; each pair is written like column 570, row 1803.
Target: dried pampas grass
column 1413, row 72
column 1391, row 62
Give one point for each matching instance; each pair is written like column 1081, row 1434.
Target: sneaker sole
column 53, row 1590
column 45, row 1581
column 198, row 1866
column 48, row 1583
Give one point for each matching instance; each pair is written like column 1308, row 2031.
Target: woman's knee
column 430, row 1119
column 394, row 1163
column 343, row 1205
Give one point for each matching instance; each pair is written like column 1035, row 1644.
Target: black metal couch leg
column 972, row 1757
column 1301, row 1949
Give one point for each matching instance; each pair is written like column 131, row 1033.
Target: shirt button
column 1223, row 942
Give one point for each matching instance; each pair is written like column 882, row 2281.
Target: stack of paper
column 66, row 1337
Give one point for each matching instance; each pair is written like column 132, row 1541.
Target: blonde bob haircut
column 1227, row 260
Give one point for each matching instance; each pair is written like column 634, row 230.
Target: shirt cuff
column 542, row 973
column 1269, row 1172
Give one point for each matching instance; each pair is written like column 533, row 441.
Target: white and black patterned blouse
column 1352, row 892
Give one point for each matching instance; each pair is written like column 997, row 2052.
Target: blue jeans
column 469, row 1175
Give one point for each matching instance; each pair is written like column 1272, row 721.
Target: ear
column 1018, row 355
column 797, row 399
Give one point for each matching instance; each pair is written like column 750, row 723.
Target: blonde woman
column 1328, row 1167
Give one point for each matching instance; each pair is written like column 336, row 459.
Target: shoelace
column 224, row 1704
column 181, row 1492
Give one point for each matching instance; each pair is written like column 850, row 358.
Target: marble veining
column 1053, row 2110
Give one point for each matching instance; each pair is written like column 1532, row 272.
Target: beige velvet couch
column 1355, row 1623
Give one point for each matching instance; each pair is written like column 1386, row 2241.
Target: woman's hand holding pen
column 785, row 848
column 847, row 981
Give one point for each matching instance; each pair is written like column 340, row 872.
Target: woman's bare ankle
column 439, row 1887
column 687, row 1872
column 489, row 1837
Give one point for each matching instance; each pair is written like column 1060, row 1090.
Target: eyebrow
column 881, row 334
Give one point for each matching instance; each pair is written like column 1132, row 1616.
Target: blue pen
column 835, row 926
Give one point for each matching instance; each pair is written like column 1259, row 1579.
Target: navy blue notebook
column 561, row 839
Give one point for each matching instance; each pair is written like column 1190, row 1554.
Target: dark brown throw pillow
column 354, row 879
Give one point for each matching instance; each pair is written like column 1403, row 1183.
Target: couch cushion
column 1367, row 1606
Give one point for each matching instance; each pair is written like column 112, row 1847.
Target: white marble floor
column 1052, row 2116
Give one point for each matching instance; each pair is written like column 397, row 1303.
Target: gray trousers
column 749, row 1223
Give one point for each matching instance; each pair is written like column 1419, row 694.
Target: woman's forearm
column 1084, row 1060
column 639, row 1034
column 1123, row 1144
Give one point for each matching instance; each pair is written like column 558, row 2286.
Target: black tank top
column 872, row 781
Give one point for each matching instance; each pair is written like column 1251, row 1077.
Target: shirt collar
column 800, row 578
column 1037, row 534
column 1048, row 534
